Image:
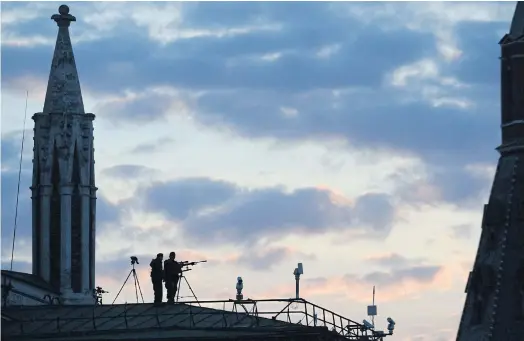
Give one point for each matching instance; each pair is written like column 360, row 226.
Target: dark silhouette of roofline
column 185, row 319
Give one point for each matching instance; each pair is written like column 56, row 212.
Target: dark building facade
column 494, row 307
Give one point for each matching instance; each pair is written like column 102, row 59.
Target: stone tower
column 63, row 188
column 494, row 307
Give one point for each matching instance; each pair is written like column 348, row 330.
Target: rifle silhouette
column 186, row 263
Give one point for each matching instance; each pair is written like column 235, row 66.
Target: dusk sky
column 357, row 138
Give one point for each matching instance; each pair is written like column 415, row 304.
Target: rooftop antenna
column 299, row 270
column 18, row 186
column 372, row 309
column 6, row 288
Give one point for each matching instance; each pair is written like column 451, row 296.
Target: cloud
column 438, row 137
column 400, row 284
column 456, row 185
column 262, row 257
column 270, row 212
column 461, row 231
column 11, row 148
column 20, row 266
column 206, row 54
column 144, row 106
column 10, row 151
column 152, row 147
column 217, row 211
column 127, row 171
column 394, row 260
column 461, row 185
column 428, row 97
column 180, row 198
column 106, row 212
column 419, row 273
column 9, row 180
column 375, row 210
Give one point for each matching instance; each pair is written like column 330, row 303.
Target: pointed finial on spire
column 64, row 18
column 63, row 88
column 517, row 24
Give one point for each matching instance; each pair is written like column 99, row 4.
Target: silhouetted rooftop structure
column 243, row 320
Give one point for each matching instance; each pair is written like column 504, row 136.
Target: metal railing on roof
column 257, row 315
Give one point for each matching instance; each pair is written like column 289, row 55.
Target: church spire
column 63, row 188
column 63, row 94
column 494, row 306
column 517, row 25
column 512, row 84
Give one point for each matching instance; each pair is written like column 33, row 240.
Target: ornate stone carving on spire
column 63, row 88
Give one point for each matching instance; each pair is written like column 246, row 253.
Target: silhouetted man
column 157, row 275
column 172, row 272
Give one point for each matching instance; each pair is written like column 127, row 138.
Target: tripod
column 188, row 285
column 135, row 279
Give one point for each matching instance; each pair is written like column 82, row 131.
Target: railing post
column 224, row 319
column 305, row 309
column 157, row 319
column 94, row 319
column 255, row 313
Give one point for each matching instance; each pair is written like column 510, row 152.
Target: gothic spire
column 63, row 93
column 517, row 24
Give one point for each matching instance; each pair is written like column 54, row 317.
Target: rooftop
column 182, row 320
column 29, row 279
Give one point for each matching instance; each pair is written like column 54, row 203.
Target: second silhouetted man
column 157, row 275
column 172, row 272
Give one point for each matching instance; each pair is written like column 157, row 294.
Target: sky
column 356, row 138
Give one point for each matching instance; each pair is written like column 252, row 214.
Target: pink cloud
column 357, row 288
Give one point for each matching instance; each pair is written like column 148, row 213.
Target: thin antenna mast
column 372, row 310
column 18, row 187
column 373, row 316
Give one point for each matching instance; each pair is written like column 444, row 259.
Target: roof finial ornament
column 64, row 18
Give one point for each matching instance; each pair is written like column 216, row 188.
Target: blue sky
column 357, row 138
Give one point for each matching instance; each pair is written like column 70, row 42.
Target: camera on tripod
column 134, row 260
column 99, row 291
column 97, row 294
